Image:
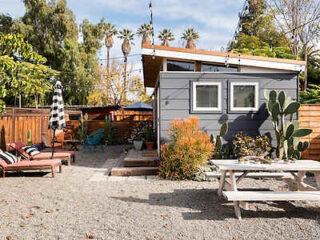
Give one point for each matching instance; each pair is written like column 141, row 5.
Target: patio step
column 143, row 162
column 144, row 158
column 134, row 171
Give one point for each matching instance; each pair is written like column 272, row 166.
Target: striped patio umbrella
column 56, row 118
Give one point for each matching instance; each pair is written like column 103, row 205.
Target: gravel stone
column 35, row 206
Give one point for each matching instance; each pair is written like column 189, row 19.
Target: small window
column 180, row 66
column 206, row 96
column 244, row 96
column 217, row 68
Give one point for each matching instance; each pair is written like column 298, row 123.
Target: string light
column 120, row 57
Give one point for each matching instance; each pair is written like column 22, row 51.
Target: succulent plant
column 288, row 132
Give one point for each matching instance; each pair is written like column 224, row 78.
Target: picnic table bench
column 298, row 190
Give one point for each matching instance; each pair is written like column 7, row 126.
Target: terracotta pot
column 149, row 145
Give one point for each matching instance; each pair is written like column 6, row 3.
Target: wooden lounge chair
column 65, row 155
column 30, row 165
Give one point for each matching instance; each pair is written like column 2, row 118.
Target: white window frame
column 256, row 100
column 194, row 95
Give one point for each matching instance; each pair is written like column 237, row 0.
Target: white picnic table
column 298, row 190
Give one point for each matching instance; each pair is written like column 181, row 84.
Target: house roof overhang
column 152, row 59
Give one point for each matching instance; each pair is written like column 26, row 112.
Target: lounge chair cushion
column 9, row 158
column 31, row 150
column 47, row 155
column 36, row 163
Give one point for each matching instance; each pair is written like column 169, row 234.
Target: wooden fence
column 125, row 115
column 15, row 123
column 309, row 117
column 123, row 121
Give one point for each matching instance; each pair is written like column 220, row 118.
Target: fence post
column 41, row 128
column 13, row 138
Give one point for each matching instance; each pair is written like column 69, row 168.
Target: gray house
column 215, row 87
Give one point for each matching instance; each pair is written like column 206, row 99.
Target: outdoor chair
column 30, row 165
column 94, row 140
column 47, row 142
column 65, row 155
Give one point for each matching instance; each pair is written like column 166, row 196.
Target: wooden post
column 13, row 115
column 41, row 128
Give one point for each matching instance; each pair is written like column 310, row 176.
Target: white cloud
column 215, row 20
column 15, row 8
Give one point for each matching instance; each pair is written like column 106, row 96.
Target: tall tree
column 22, row 70
column 300, row 21
column 190, row 35
column 50, row 27
column 166, row 36
column 145, row 30
column 135, row 89
column 5, row 23
column 110, row 32
column 127, row 37
column 258, row 34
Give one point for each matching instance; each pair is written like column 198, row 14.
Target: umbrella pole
column 53, row 140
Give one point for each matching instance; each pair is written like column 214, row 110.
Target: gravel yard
column 35, row 206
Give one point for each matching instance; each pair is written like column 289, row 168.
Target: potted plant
column 149, row 137
column 137, row 137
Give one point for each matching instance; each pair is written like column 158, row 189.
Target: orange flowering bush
column 189, row 147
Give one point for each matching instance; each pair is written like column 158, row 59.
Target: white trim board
column 256, row 97
column 194, row 96
column 221, row 59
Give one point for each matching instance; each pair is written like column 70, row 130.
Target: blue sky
column 215, row 20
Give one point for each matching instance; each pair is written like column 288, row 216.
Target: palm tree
column 190, row 35
column 145, row 30
column 127, row 37
column 110, row 31
column 166, row 36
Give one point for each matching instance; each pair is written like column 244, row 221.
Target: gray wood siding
column 175, row 102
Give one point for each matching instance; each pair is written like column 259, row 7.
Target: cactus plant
column 29, row 138
column 110, row 132
column 219, row 151
column 83, row 128
column 288, row 132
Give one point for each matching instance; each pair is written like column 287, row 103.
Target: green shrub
column 311, row 96
column 189, row 147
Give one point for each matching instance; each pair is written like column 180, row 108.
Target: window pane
column 180, row 66
column 217, row 68
column 207, row 96
column 243, row 96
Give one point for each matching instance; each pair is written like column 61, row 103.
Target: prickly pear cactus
column 219, row 151
column 288, row 132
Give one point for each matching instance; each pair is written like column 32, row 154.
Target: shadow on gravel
column 26, row 174
column 97, row 158
column 206, row 205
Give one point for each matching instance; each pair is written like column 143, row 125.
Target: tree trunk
column 165, row 43
column 36, row 100
column 305, row 84
column 20, row 101
column 108, row 61
column 124, row 97
column 145, row 40
column 108, row 73
column 190, row 44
